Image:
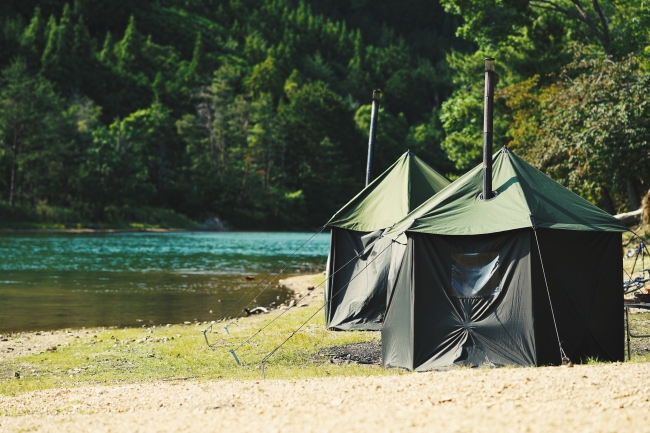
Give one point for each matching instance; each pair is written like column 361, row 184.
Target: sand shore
column 584, row 398
column 592, row 398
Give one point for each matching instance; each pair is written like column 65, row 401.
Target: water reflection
column 56, row 281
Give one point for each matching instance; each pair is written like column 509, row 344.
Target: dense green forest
column 116, row 111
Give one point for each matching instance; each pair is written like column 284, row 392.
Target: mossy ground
column 180, row 352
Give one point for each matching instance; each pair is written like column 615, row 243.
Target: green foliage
column 34, row 135
column 241, row 110
column 33, row 216
column 595, row 125
column 569, row 96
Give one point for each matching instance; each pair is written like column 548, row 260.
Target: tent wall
column 450, row 329
column 356, row 291
column 397, row 332
column 584, row 271
column 429, row 324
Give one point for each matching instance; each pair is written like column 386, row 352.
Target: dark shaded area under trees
column 253, row 111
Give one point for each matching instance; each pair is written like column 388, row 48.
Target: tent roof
column 405, row 185
column 522, row 192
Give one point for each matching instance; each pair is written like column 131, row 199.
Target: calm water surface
column 52, row 281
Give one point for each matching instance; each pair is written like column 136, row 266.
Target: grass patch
column 133, row 355
column 639, row 324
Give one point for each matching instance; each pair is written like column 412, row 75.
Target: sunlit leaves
column 591, row 128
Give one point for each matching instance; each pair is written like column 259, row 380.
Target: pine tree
column 197, row 64
column 82, row 56
column 48, row 58
column 158, row 87
column 82, row 44
column 107, row 54
column 57, row 60
column 130, row 47
column 33, row 37
column 65, row 37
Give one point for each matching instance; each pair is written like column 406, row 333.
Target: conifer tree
column 33, row 39
column 65, row 37
column 130, row 47
column 48, row 58
column 196, row 66
column 107, row 54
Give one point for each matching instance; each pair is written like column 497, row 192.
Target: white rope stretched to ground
column 287, row 264
column 565, row 359
column 317, row 311
column 306, row 294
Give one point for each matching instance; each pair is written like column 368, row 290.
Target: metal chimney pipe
column 488, row 122
column 376, row 94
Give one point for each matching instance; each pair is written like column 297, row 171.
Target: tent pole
column 373, row 133
column 488, row 122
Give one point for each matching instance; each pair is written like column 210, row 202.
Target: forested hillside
column 257, row 111
column 253, row 111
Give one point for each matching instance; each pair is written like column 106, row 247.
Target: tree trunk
column 632, row 194
column 607, row 201
column 14, row 169
column 161, row 178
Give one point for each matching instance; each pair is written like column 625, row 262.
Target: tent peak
column 405, row 185
column 521, row 190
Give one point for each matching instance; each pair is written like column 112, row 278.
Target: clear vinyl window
column 475, row 275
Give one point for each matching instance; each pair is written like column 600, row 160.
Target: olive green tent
column 356, row 287
column 525, row 278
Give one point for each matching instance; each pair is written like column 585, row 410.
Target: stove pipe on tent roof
column 373, row 133
column 487, row 129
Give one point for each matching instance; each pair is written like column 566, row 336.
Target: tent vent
column 475, row 275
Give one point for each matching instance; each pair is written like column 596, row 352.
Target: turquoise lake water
column 54, row 281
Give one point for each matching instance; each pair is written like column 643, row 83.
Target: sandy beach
column 593, row 398
column 583, row 398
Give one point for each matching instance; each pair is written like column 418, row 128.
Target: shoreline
column 107, row 230
column 151, row 229
column 15, row 343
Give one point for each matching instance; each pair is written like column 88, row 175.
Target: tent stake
column 234, row 355
column 373, row 133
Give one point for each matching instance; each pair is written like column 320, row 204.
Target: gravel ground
column 360, row 353
column 592, row 398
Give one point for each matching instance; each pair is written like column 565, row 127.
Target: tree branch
column 603, row 22
column 556, row 8
column 581, row 16
column 591, row 24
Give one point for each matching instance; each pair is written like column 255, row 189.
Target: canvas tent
column 356, row 293
column 471, row 286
